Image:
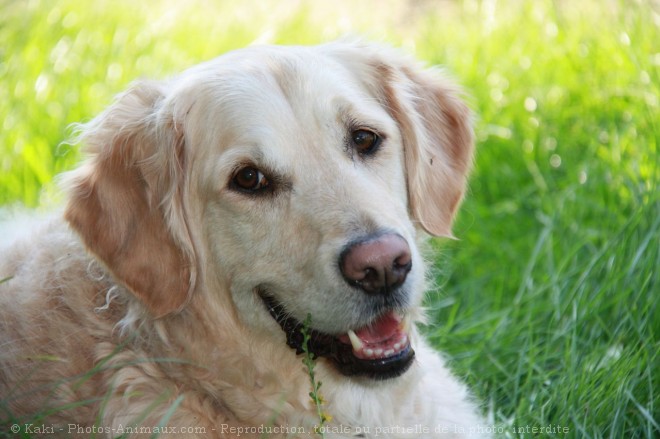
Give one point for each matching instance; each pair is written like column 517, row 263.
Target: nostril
column 404, row 261
column 376, row 264
column 399, row 272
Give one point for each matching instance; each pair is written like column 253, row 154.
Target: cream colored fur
column 139, row 308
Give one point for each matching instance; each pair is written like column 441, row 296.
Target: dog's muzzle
column 375, row 265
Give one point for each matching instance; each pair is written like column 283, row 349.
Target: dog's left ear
column 126, row 202
column 438, row 142
column 435, row 124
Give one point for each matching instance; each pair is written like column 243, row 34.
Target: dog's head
column 297, row 178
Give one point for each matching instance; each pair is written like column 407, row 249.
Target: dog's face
column 299, row 177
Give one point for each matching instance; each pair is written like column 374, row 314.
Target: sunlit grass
column 552, row 290
column 548, row 303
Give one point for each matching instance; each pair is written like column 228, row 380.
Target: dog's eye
column 250, row 179
column 366, row 142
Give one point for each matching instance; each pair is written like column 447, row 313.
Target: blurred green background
column 547, row 305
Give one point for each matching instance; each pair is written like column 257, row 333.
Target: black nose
column 376, row 264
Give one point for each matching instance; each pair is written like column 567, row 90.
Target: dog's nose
column 377, row 265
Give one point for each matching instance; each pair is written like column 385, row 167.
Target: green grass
column 547, row 304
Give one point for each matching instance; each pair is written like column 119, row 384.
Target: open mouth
column 380, row 350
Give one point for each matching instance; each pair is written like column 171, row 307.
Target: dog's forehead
column 293, row 69
column 272, row 91
column 285, row 111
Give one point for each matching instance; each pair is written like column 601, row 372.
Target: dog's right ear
column 126, row 200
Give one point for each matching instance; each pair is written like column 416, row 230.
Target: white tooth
column 397, row 346
column 378, row 352
column 355, row 340
column 389, row 352
column 369, row 352
column 405, row 324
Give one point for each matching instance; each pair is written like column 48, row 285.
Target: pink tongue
column 380, row 330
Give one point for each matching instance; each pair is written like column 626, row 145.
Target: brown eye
column 366, row 142
column 250, row 179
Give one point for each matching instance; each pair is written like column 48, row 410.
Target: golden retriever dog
column 215, row 213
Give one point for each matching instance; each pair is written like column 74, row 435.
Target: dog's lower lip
column 371, row 361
